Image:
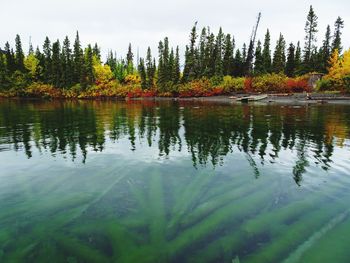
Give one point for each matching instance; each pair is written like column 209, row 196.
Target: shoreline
column 294, row 99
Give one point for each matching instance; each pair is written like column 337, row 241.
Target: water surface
column 173, row 182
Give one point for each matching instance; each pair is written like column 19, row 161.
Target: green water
column 174, row 182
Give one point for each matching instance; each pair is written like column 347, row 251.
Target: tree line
column 207, row 55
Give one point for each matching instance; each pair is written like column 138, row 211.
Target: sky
column 113, row 24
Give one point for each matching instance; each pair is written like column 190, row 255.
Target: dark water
column 173, row 182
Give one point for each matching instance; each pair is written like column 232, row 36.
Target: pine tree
column 339, row 25
column 290, row 65
column 310, row 38
column 266, row 53
column 248, row 65
column 259, row 60
column 19, row 55
column 228, row 56
column 279, row 58
column 210, row 56
column 171, row 65
column 4, row 78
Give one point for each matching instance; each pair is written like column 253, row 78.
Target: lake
column 145, row 181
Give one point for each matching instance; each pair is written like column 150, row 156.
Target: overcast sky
column 115, row 23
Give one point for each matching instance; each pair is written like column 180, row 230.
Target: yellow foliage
column 31, row 63
column 103, row 73
column 345, row 63
column 132, row 79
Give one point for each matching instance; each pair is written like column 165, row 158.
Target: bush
column 230, row 84
column 269, row 83
column 41, row 90
column 297, row 85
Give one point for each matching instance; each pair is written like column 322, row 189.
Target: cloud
column 114, row 24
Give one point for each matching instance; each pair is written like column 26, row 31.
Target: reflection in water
column 208, row 132
column 173, row 182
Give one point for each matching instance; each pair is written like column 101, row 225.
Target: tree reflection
column 210, row 132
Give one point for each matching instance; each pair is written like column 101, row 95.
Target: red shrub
column 297, row 85
column 248, row 87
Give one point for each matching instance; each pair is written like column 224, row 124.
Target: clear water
column 173, row 182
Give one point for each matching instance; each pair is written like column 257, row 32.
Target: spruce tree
column 202, row 52
column 19, row 54
column 88, row 65
column 266, row 53
column 66, row 58
column 339, row 25
column 47, row 57
column 218, row 53
column 130, row 60
column 310, row 38
column 228, row 56
column 325, row 51
column 77, row 61
column 191, row 56
column 176, row 68
column 10, row 59
column 259, row 60
column 56, row 75
column 143, row 75
column 298, row 60
column 150, row 69
column 96, row 51
column 238, row 64
column 279, row 58
column 290, row 65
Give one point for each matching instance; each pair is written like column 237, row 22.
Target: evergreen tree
column 96, row 51
column 228, row 55
column 202, row 52
column 130, row 60
column 298, row 59
column 143, row 75
column 279, row 58
column 325, row 51
column 56, row 75
column 4, row 78
column 190, row 70
column 47, row 57
column 290, row 65
column 171, row 65
column 77, row 61
column 259, row 60
column 19, row 55
column 218, row 53
column 238, row 64
column 339, row 25
column 176, row 68
column 210, row 56
column 248, row 65
column 266, row 53
column 10, row 59
column 66, row 59
column 88, row 66
column 150, row 69
column 310, row 38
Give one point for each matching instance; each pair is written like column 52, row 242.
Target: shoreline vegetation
column 213, row 66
